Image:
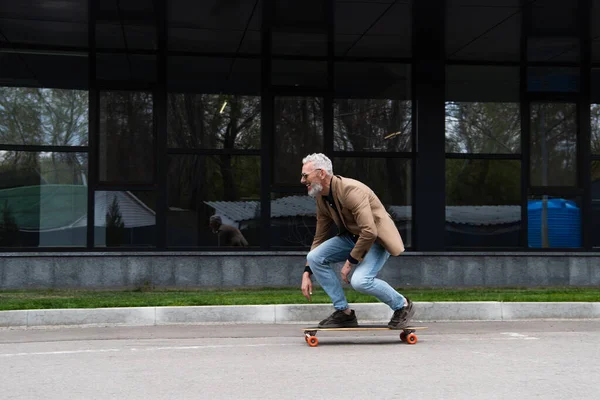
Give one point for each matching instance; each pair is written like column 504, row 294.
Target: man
column 367, row 236
column 228, row 235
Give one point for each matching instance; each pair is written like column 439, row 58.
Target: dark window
column 373, row 29
column 298, row 132
column 554, row 34
column 298, row 73
column 62, row 23
column 213, row 75
column 373, row 80
column 125, row 219
column 553, row 144
column 201, row 187
column 213, row 121
column 486, row 31
column 372, row 125
column 36, row 116
column 43, row 199
column 126, row 67
column 126, row 146
column 126, row 25
column 595, row 182
column 483, row 200
column 219, row 26
column 552, row 79
column 44, row 69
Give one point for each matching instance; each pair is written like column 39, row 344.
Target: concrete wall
column 277, row 269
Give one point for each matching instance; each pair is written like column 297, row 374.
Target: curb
column 295, row 313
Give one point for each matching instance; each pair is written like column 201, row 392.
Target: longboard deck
column 407, row 334
column 366, row 328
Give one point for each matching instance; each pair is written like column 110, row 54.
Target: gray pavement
column 452, row 360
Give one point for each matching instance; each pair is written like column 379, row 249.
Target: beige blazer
column 362, row 214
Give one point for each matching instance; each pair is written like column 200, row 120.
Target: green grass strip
column 48, row 299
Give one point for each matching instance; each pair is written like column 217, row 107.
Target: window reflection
column 43, row 199
column 554, row 222
column 125, row 218
column 553, row 144
column 372, row 125
column 298, row 132
column 483, row 200
column 205, row 187
column 473, row 127
column 211, row 121
column 126, row 137
column 37, row 116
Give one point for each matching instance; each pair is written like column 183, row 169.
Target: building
column 124, row 126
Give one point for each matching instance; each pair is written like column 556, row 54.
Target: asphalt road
column 464, row 360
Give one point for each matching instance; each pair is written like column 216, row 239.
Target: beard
column 315, row 189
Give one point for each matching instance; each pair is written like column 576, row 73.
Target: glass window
column 126, row 24
column 390, row 179
column 483, row 200
column 554, row 34
column 552, row 79
column 125, row 219
column 554, row 222
column 43, row 198
column 36, row 116
column 299, row 73
column 293, row 219
column 483, row 128
column 377, row 80
column 298, row 132
column 595, row 128
column 373, row 28
column 211, row 121
column 299, row 44
column 213, row 75
column 37, row 68
column 216, row 27
column 596, row 203
column 484, row 30
column 553, row 144
column 372, row 125
column 126, row 67
column 213, row 201
column 39, row 22
column 126, row 152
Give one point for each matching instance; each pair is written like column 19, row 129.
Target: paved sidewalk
column 296, row 313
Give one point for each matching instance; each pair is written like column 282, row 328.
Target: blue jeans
column 364, row 274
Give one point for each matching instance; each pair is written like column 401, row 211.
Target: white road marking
column 516, row 335
column 133, row 349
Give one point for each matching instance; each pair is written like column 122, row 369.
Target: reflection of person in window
column 228, row 235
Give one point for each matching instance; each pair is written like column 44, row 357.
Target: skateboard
column 407, row 334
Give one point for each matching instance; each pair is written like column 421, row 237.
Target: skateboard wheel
column 411, row 338
column 312, row 341
column 403, row 336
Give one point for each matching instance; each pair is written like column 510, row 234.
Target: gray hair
column 319, row 161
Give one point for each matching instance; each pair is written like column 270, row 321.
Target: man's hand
column 306, row 285
column 346, row 269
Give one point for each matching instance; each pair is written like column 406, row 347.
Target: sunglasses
column 304, row 175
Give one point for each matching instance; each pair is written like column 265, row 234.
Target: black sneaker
column 402, row 316
column 339, row 320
